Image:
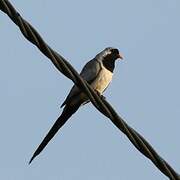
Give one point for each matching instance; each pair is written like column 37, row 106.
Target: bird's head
column 109, row 53
column 108, row 57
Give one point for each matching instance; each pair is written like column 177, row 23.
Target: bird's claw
column 101, row 96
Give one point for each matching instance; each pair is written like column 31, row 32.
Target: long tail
column 66, row 114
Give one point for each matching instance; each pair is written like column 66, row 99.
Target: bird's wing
column 90, row 70
column 89, row 73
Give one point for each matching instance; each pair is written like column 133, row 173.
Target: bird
column 98, row 72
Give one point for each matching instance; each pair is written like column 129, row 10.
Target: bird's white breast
column 103, row 79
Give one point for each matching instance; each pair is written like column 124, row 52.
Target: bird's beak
column 120, row 56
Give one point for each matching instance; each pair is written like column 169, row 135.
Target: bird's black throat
column 109, row 63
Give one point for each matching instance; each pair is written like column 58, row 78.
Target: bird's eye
column 114, row 51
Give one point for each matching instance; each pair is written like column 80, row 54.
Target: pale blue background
column 145, row 89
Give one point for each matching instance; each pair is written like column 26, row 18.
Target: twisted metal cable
column 101, row 104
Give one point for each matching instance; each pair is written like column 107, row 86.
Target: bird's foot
column 101, row 96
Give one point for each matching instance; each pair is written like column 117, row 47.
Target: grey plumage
column 88, row 73
column 98, row 73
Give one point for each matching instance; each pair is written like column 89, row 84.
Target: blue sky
column 145, row 89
